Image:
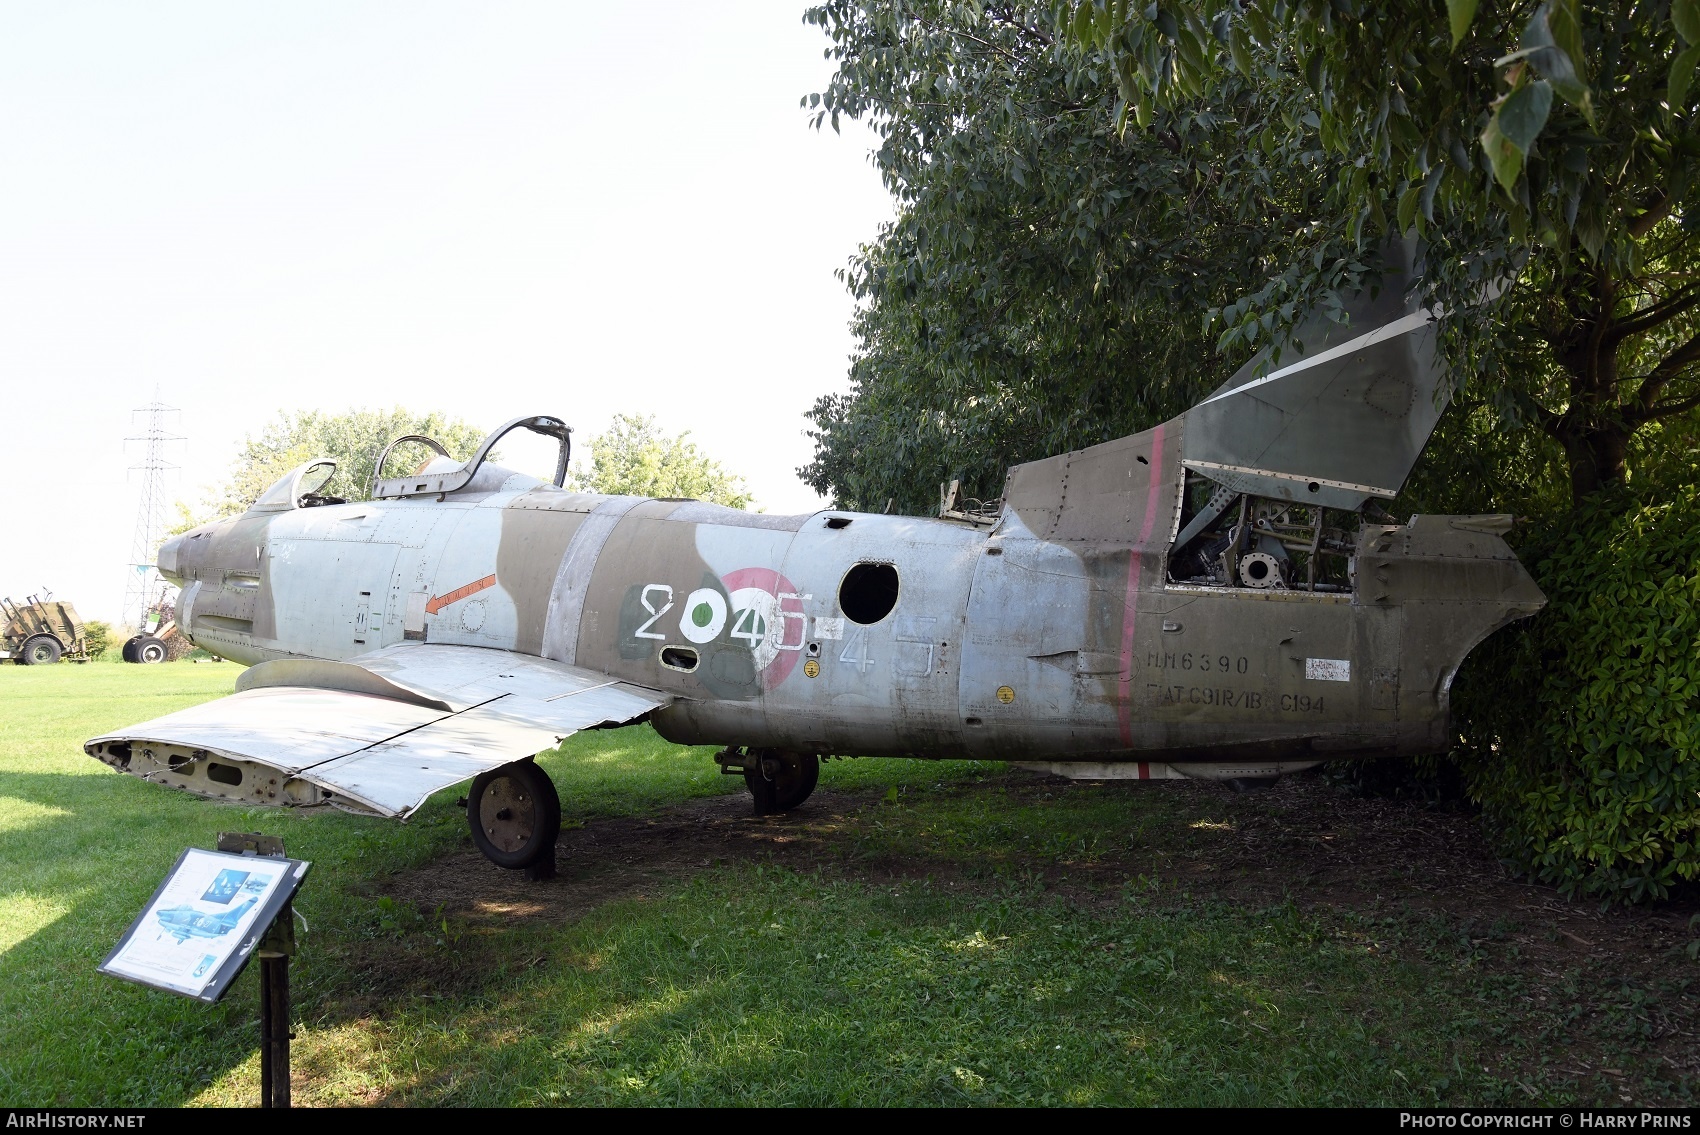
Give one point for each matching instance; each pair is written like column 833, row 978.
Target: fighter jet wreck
column 1220, row 596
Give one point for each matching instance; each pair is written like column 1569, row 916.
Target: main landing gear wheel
column 149, row 649
column 129, row 651
column 40, row 651
column 515, row 817
column 780, row 779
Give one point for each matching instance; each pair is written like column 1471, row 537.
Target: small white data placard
column 826, row 627
column 197, row 931
column 1328, row 669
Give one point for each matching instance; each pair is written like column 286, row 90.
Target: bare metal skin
column 1214, row 597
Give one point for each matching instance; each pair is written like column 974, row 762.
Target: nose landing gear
column 515, row 817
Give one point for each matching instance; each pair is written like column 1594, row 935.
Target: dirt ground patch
column 606, row 860
column 1304, row 841
column 1595, row 985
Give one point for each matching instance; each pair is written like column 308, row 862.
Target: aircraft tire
column 129, row 651
column 515, row 815
column 781, row 780
column 42, row 650
column 150, row 650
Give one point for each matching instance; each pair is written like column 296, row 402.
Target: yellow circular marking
column 812, row 668
column 1005, row 694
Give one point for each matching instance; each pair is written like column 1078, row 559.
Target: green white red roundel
column 705, row 615
column 761, row 609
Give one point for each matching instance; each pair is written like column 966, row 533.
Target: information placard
column 203, row 922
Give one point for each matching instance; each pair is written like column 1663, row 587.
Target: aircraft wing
column 376, row 734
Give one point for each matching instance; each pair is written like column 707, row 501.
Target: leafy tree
column 1076, row 184
column 1581, row 729
column 635, row 457
column 1042, row 285
column 353, row 439
column 1074, row 191
column 1548, row 144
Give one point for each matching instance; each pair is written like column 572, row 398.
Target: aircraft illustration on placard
column 1219, row 596
column 185, row 922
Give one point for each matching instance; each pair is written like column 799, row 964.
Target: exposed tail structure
column 1344, row 411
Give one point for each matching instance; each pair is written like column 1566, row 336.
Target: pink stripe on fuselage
column 1131, row 599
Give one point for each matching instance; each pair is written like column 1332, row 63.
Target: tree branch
column 1655, row 212
column 1683, row 299
column 1659, row 377
column 1551, row 424
column 1669, row 409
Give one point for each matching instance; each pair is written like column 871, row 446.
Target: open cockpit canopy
column 444, row 475
column 299, row 488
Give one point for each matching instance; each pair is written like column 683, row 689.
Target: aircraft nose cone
column 169, row 554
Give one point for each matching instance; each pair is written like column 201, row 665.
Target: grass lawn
column 916, row 934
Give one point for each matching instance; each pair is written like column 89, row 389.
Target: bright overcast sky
column 491, row 209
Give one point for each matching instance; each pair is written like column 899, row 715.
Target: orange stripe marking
column 459, row 593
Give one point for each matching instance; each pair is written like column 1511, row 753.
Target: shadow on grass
column 765, row 986
column 916, row 934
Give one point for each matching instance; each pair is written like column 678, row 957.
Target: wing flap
column 289, row 729
column 396, row 776
column 378, row 734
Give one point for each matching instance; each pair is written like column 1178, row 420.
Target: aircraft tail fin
column 1341, row 415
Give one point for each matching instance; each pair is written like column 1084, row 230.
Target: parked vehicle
column 41, row 630
column 159, row 639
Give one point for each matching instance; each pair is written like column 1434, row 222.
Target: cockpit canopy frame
column 299, row 488
column 429, row 482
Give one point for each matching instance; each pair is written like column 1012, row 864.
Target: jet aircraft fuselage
column 1219, row 596
column 1056, row 633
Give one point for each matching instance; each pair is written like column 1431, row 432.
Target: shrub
column 1580, row 728
column 98, row 635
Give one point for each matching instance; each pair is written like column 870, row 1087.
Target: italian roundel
column 765, row 613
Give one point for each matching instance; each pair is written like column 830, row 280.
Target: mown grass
column 763, row 987
column 968, row 977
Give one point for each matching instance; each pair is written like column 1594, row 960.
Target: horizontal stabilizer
column 378, row 734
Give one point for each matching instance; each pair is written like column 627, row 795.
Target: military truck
column 41, row 630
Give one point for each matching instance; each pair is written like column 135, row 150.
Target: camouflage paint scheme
column 1105, row 660
column 1056, row 631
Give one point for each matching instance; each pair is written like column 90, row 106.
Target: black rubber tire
column 42, row 650
column 129, row 651
column 150, row 650
column 781, row 779
column 515, row 815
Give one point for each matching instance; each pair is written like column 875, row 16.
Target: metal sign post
column 210, row 914
column 275, row 950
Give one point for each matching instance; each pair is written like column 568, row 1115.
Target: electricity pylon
column 144, row 586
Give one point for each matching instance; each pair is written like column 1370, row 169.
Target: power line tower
column 144, row 585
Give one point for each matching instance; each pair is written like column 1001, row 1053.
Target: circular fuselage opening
column 868, row 593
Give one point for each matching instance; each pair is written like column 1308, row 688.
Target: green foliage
column 1042, row 285
column 1581, row 728
column 354, row 440
column 634, row 457
column 1549, row 144
column 1078, row 185
column 98, row 635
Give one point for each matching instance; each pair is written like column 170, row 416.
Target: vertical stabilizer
column 1342, row 415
